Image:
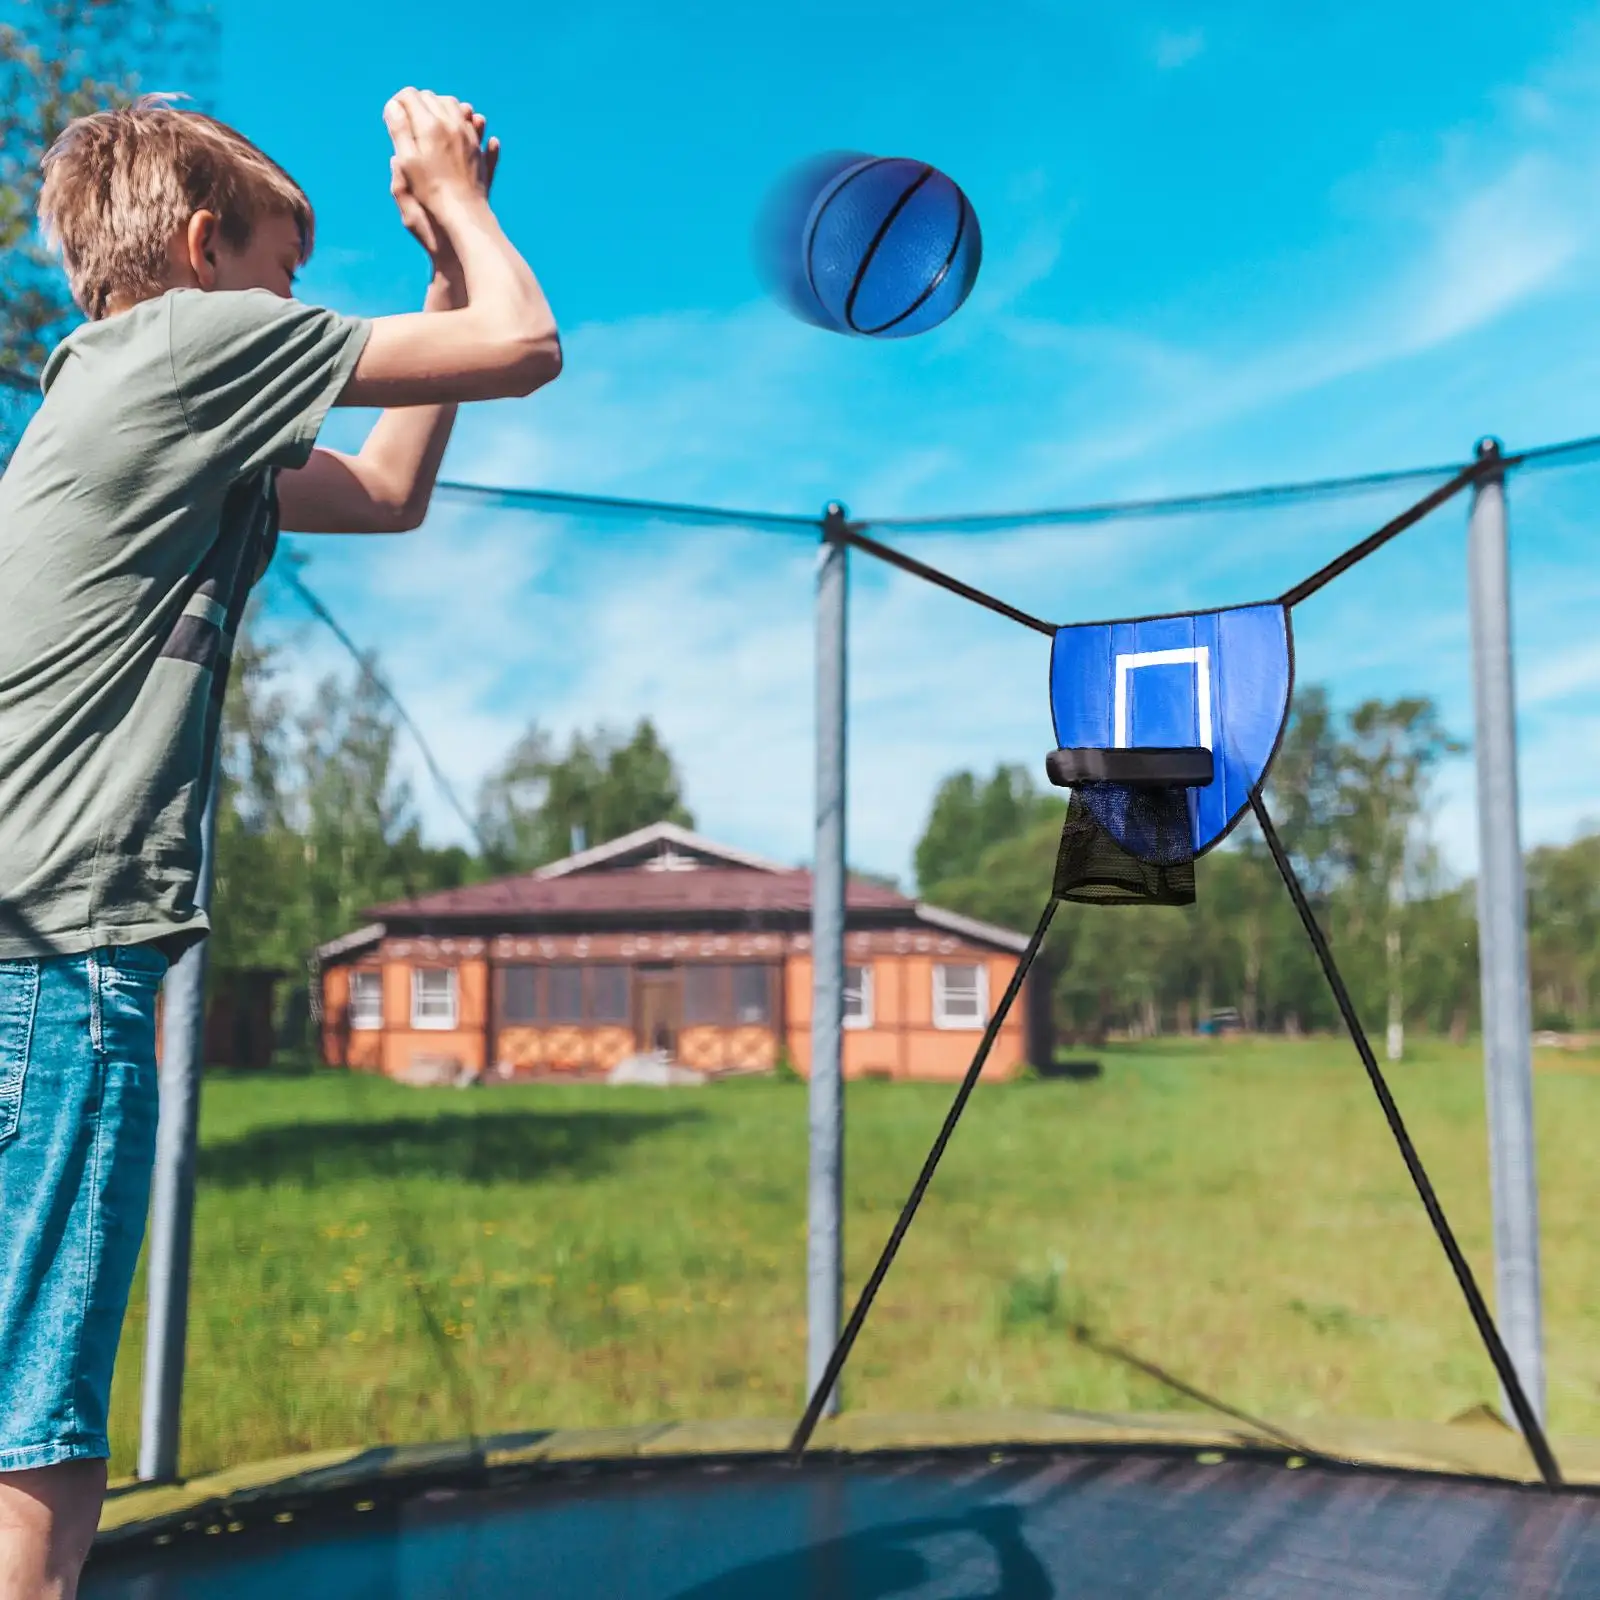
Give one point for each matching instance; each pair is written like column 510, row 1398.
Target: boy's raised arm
column 486, row 332
column 504, row 341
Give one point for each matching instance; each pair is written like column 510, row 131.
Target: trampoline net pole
column 1503, row 941
column 825, row 1182
column 172, row 1188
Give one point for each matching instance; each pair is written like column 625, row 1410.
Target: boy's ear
column 200, row 248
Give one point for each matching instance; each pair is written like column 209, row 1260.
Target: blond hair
column 119, row 186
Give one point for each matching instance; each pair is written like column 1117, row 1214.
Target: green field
column 382, row 1264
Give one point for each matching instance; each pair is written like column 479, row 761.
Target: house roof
column 715, row 889
column 662, row 847
column 659, row 874
column 351, row 944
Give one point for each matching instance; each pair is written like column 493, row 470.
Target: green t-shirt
column 139, row 509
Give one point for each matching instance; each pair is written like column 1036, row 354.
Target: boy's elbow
column 410, row 516
column 391, row 516
column 537, row 361
column 403, row 510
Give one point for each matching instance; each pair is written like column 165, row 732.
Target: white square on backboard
column 1198, row 656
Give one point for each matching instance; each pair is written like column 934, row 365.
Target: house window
column 960, row 996
column 752, row 996
column 568, row 994
column 739, row 996
column 433, row 997
column 858, row 997
column 705, row 991
column 608, row 994
column 563, row 994
column 366, row 999
column 519, row 994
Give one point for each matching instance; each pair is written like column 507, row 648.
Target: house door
column 659, row 993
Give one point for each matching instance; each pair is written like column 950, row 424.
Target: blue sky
column 1221, row 247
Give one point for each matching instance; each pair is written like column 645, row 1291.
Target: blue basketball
column 858, row 244
column 890, row 248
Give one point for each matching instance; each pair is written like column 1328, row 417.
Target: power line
column 558, row 502
column 1261, row 496
column 1566, row 453
column 1257, row 497
column 322, row 614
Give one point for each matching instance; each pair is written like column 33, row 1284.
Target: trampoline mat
column 1112, row 1526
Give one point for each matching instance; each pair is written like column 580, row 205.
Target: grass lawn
column 381, row 1264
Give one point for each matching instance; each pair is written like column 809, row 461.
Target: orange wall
column 464, row 1043
column 392, row 1049
column 903, row 1042
column 361, row 1048
column 339, row 1046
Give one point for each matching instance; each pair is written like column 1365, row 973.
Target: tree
column 257, row 871
column 1564, row 933
column 1386, row 763
column 314, row 824
column 970, row 815
column 538, row 803
column 361, row 836
column 1303, row 788
column 61, row 59
column 1441, row 975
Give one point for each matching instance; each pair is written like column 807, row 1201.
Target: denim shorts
column 78, row 1107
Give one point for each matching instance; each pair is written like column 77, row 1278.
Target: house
column 663, row 940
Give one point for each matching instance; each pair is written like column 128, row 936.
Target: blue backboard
column 1217, row 679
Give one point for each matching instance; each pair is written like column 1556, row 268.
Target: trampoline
column 1166, row 728
column 1118, row 1509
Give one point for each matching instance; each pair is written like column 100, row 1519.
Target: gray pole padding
column 825, row 1196
column 1503, row 943
column 172, row 1192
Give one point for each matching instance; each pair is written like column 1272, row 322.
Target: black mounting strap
column 847, row 1339
column 1145, row 767
column 943, row 580
column 1527, row 1419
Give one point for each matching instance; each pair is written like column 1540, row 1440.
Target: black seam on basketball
column 938, row 277
column 811, row 237
column 872, row 249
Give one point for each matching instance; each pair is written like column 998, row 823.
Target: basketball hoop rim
column 1132, row 767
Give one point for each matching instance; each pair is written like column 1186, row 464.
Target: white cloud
column 1493, row 249
column 1560, row 677
column 1502, row 243
column 659, row 406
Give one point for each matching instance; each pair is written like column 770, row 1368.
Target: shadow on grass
column 510, row 1147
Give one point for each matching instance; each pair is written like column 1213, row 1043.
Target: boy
column 175, row 437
